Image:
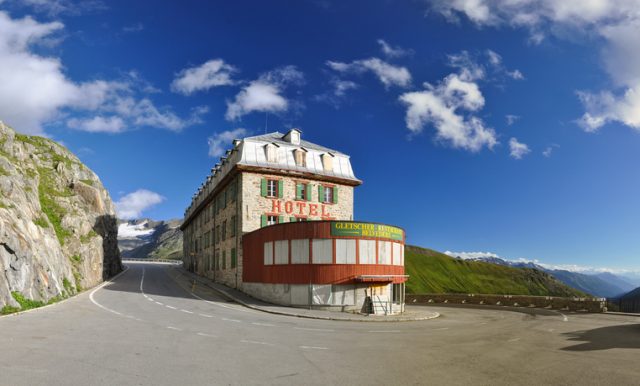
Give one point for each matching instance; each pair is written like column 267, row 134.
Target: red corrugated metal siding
column 255, row 271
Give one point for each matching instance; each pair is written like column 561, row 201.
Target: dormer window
column 327, row 162
column 293, row 136
column 271, row 152
column 300, row 156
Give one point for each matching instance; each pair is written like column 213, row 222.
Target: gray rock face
column 58, row 229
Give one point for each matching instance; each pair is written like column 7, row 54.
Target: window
column 327, row 162
column 397, row 293
column 398, row 254
column 300, row 156
column 224, row 230
column 271, row 153
column 217, row 260
column 266, row 220
column 272, row 220
column 345, row 251
column 303, row 191
column 367, row 251
column 224, row 259
column 272, row 188
column 384, row 252
column 328, row 194
column 281, row 252
column 300, row 251
column 217, row 236
column 268, row 253
column 233, row 227
column 322, row 251
column 234, row 258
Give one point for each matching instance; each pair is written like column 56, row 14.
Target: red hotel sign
column 299, row 208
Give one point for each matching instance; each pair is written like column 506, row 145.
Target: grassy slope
column 435, row 272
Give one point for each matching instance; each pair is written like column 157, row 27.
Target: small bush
column 76, row 258
column 26, row 304
column 86, row 238
column 8, row 310
column 67, row 286
column 41, row 222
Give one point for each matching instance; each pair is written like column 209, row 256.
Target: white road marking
column 513, row 340
column 160, row 304
column 206, row 316
column 100, row 305
column 186, row 311
column 256, row 342
column 145, row 295
column 564, row 317
column 263, row 324
column 173, row 328
column 149, row 299
column 173, row 308
column 207, row 335
column 217, row 304
column 314, row 347
column 232, row 320
column 393, row 331
column 442, row 329
column 313, row 329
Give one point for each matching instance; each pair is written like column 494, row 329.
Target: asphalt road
column 148, row 328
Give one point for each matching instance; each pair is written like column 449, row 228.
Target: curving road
column 149, row 328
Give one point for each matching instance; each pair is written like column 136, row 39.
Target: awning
column 380, row 278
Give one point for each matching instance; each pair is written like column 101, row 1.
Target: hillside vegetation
column 435, row 272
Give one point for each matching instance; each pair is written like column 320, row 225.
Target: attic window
column 271, row 152
column 300, row 157
column 327, row 162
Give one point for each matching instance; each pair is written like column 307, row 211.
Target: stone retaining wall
column 567, row 304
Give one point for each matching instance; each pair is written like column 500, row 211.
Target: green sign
column 361, row 229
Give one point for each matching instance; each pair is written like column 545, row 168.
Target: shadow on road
column 604, row 338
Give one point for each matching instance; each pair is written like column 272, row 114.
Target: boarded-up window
column 384, row 252
column 345, row 251
column 321, row 293
column 367, row 251
column 327, row 162
column 398, row 254
column 300, row 251
column 268, row 253
column 322, row 251
column 300, row 157
column 282, row 252
column 271, row 153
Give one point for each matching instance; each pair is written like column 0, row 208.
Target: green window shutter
column 299, row 192
column 280, row 219
column 335, row 194
column 263, row 221
column 234, row 258
column 308, row 190
column 320, row 193
column 263, row 187
column 292, row 219
column 280, row 188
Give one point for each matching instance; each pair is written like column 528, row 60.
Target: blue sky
column 506, row 127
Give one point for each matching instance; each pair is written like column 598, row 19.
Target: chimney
column 293, row 136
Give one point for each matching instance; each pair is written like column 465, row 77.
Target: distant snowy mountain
column 145, row 238
column 600, row 284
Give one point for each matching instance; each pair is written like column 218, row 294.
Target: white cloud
column 220, row 142
column 342, row 86
column 388, row 74
column 472, row 255
column 548, row 151
column 517, row 149
column 131, row 205
column 448, row 106
column 98, row 124
column 612, row 24
column 35, row 89
column 57, row 7
column 393, row 52
column 265, row 93
column 511, row 119
column 213, row 73
column 132, row 28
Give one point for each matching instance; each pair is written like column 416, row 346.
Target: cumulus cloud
column 388, row 74
column 35, row 89
column 449, row 106
column 472, row 255
column 213, row 73
column 393, row 52
column 131, row 205
column 219, row 142
column 58, row 7
column 265, row 93
column 517, row 149
column 615, row 24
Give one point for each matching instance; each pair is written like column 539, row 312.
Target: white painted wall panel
column 384, row 252
column 345, row 251
column 322, row 251
column 367, row 251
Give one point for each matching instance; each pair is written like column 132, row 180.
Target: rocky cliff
column 58, row 229
column 145, row 238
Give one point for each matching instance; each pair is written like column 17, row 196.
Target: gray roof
column 277, row 137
